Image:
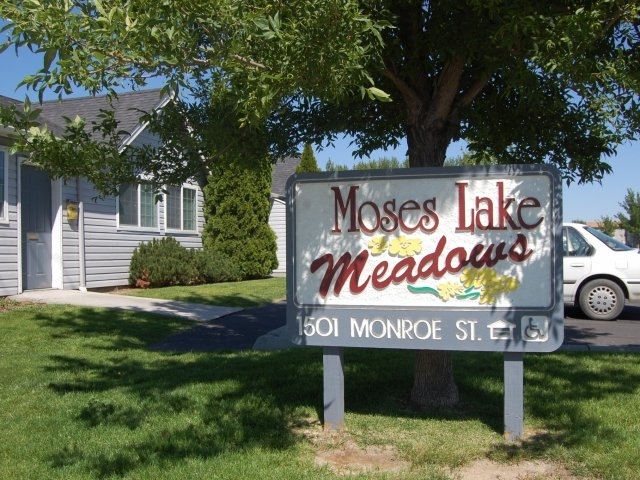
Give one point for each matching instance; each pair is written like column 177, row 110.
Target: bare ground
column 341, row 454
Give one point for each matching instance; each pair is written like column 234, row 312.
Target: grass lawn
column 251, row 293
column 82, row 396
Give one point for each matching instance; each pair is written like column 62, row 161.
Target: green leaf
column 262, row 23
column 378, row 94
column 275, row 21
column 49, row 57
column 4, row 46
column 100, row 8
column 112, row 12
column 429, row 290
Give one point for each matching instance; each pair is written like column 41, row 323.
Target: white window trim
column 4, row 218
column 137, row 227
column 166, row 211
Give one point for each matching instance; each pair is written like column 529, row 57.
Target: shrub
column 160, row 263
column 164, row 262
column 237, row 215
column 213, row 267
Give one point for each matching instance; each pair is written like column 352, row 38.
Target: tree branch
column 446, row 88
column 249, row 62
column 409, row 95
column 474, row 90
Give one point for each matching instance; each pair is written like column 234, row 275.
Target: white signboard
column 448, row 259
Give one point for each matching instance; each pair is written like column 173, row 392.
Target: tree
column 467, row 159
column 630, row 219
column 307, row 161
column 383, row 163
column 334, row 167
column 608, row 225
column 523, row 82
column 237, row 214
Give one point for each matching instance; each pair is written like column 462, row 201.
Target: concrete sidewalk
column 215, row 328
column 191, row 311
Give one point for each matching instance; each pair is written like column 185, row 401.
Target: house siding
column 70, row 239
column 91, row 251
column 108, row 249
column 278, row 223
column 9, row 231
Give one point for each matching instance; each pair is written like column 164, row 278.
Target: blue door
column 36, row 228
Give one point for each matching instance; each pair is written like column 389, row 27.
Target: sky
column 590, row 202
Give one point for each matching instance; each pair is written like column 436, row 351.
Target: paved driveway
column 620, row 335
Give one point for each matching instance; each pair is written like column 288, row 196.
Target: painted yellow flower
column 378, row 245
column 405, row 247
column 449, row 290
column 477, row 277
column 486, row 298
column 509, row 284
column 490, row 284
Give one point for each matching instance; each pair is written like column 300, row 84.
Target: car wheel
column 601, row 300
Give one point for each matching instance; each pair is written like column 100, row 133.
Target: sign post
column 465, row 258
column 513, row 396
column 333, row 375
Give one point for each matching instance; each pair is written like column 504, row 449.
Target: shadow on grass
column 245, row 294
column 204, row 405
column 240, row 301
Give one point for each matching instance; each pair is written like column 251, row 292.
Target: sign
column 465, row 258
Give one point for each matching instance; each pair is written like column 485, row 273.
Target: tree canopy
column 308, row 161
column 630, row 218
column 522, row 82
column 383, row 163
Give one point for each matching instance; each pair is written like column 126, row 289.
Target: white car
column 600, row 272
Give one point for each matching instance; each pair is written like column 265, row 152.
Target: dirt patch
column 525, row 470
column 350, row 458
column 117, row 290
column 343, row 456
column 7, row 305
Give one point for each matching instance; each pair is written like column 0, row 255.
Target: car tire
column 601, row 300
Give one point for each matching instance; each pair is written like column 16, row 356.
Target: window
column 574, row 245
column 612, row 243
column 4, row 169
column 181, row 209
column 137, row 206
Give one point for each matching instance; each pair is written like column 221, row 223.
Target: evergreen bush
column 308, row 163
column 160, row 263
column 237, row 215
column 212, row 267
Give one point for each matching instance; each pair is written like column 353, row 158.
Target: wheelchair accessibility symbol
column 535, row 328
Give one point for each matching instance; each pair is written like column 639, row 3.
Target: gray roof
column 281, row 172
column 7, row 102
column 128, row 108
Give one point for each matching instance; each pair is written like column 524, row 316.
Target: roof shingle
column 281, row 172
column 128, row 108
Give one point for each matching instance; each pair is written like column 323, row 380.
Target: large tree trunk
column 433, row 382
column 431, row 120
column 431, row 107
column 427, row 144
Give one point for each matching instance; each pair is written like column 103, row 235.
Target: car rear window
column 610, row 242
